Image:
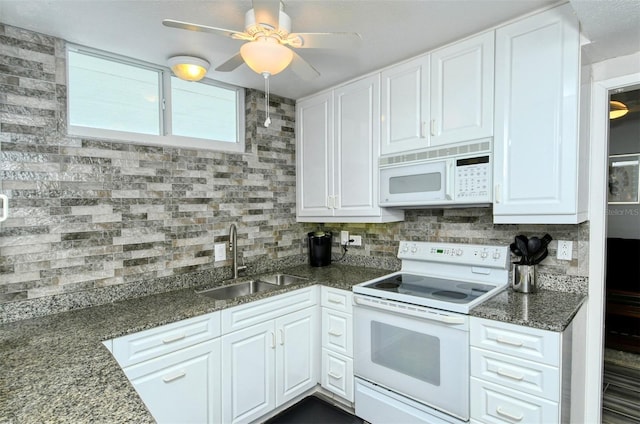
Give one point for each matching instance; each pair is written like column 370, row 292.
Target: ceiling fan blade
column 324, row 40
column 302, row 68
column 230, row 64
column 267, row 12
column 204, row 28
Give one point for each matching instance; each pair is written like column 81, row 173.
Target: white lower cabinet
column 519, row 374
column 336, row 373
column 183, row 386
column 267, row 364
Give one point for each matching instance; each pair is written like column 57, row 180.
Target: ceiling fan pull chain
column 267, row 121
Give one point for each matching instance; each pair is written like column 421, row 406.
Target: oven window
column 417, row 183
column 408, row 352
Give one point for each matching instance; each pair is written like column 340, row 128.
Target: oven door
column 421, row 355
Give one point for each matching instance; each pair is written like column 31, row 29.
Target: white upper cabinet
column 462, row 91
column 404, row 100
column 314, row 150
column 337, row 155
column 537, row 154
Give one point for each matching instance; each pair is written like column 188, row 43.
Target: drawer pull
column 174, row 339
column 336, row 300
column 507, row 374
column 334, row 375
column 509, row 342
column 509, row 415
column 174, row 377
column 335, row 333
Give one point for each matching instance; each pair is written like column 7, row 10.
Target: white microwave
column 452, row 181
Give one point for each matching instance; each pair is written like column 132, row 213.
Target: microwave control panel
column 473, row 179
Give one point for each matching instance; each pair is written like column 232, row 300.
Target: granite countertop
column 55, row 368
column 545, row 309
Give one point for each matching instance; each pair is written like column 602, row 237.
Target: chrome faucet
column 233, row 246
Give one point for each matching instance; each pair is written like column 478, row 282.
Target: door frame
column 607, row 76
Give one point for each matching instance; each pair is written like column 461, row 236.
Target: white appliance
column 448, row 181
column 411, row 331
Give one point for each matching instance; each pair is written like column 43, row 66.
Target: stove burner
column 448, row 294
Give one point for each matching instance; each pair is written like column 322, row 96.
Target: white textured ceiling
column 392, row 30
column 611, row 26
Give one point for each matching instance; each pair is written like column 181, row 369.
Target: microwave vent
column 445, row 152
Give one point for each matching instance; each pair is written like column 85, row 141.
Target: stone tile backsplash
column 92, row 221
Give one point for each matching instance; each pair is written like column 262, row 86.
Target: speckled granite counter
column 55, row 369
column 546, row 309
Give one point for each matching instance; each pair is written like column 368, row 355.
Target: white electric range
column 411, row 329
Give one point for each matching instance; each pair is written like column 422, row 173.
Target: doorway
column 621, row 367
column 605, row 76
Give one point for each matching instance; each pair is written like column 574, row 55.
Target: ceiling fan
column 270, row 41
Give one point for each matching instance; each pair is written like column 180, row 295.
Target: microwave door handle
column 449, row 178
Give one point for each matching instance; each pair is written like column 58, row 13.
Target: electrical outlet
column 357, row 240
column 564, row 250
column 219, row 252
column 344, row 237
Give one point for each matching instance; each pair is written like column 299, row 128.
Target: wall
column 87, row 214
column 94, row 221
column 623, row 220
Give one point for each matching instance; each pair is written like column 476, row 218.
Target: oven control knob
column 414, row 249
column 459, row 252
column 496, row 255
column 405, row 248
column 484, row 254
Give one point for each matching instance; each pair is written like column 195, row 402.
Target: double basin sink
column 261, row 284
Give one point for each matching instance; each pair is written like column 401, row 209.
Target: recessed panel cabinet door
column 297, row 354
column 404, row 100
column 462, row 91
column 536, row 146
column 314, row 170
column 357, row 140
column 248, row 373
column 183, row 386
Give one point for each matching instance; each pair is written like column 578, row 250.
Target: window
column 123, row 99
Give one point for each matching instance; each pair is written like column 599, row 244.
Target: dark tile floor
column 313, row 410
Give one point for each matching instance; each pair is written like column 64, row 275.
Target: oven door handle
column 412, row 310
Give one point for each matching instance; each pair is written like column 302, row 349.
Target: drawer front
column 149, row 344
column 337, row 374
column 337, row 331
column 491, row 403
column 337, row 299
column 522, row 342
column 252, row 313
column 527, row 376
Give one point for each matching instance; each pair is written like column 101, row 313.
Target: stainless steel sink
column 282, row 279
column 236, row 290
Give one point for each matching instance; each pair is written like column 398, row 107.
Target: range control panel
column 455, row 253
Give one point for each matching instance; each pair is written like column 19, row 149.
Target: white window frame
column 164, row 88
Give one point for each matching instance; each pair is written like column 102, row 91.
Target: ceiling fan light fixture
column 266, row 55
column 188, row 68
column 617, row 109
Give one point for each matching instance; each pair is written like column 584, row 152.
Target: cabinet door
column 314, row 153
column 296, row 354
column 357, row 141
column 536, row 119
column 248, row 374
column 404, row 100
column 183, row 386
column 462, row 91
